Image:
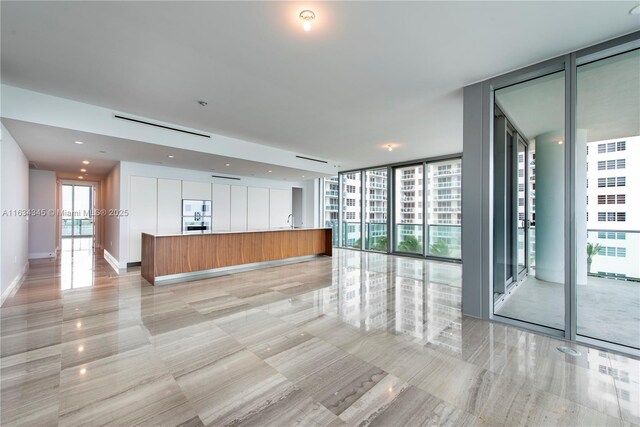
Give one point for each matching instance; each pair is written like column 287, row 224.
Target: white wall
column 14, row 230
column 42, row 228
column 230, row 198
column 112, row 224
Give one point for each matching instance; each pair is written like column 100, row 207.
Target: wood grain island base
column 191, row 253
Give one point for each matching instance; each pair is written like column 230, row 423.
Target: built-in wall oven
column 196, row 216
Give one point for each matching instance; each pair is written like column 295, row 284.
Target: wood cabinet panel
column 162, row 256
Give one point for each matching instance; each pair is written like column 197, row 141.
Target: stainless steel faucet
column 292, row 219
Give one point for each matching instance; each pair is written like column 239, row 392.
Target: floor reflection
column 77, row 263
column 413, row 297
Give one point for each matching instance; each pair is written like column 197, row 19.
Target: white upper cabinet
column 196, row 190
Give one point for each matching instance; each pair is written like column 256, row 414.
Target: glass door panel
column 607, row 192
column 408, row 209
column 530, row 116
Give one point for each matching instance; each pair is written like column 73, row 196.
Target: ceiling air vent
column 131, row 119
column 225, row 177
column 313, row 160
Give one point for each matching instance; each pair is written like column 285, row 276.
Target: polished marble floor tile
column 357, row 339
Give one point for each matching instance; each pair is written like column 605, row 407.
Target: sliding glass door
column 77, row 206
column 529, row 276
column 564, row 195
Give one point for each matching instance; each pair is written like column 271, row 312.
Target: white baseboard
column 40, row 255
column 112, row 261
column 15, row 285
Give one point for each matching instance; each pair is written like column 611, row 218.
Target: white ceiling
column 368, row 74
column 54, row 148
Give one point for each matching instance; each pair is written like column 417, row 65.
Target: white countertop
column 200, row 233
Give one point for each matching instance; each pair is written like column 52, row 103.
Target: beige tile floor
column 355, row 339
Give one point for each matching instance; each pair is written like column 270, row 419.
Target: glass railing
column 613, row 254
column 409, row 238
column 376, row 236
column 334, row 231
column 77, row 227
column 444, row 241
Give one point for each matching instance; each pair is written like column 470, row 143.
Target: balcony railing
column 455, row 171
column 77, row 227
column 455, row 184
column 617, row 257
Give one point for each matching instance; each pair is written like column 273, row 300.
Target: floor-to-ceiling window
column 351, row 209
column 607, row 178
column 375, row 210
column 444, row 208
column 408, row 207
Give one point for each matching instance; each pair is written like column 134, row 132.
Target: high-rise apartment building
column 613, row 212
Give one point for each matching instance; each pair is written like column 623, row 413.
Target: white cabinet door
column 143, row 212
column 169, row 206
column 279, row 208
column 196, row 190
column 258, row 208
column 221, row 207
column 238, row 208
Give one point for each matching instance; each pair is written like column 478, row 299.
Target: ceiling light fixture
column 635, row 10
column 171, row 156
column 85, row 162
column 269, row 171
column 203, row 103
column 389, row 147
column 83, row 170
column 227, row 164
column 79, row 142
column 307, row 16
column 81, row 177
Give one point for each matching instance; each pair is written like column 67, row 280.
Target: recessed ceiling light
column 170, row 156
column 227, row 164
column 79, row 142
column 635, row 10
column 303, row 176
column 307, row 17
column 81, row 177
column 269, row 171
column 86, row 162
column 389, row 147
column 83, row 170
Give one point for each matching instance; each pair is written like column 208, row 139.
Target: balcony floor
column 608, row 309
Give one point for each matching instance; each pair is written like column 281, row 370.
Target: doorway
column 77, row 210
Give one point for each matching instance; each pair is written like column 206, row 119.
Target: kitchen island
column 170, row 258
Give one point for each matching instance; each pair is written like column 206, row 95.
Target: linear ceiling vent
column 225, row 177
column 313, row 160
column 131, row 119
